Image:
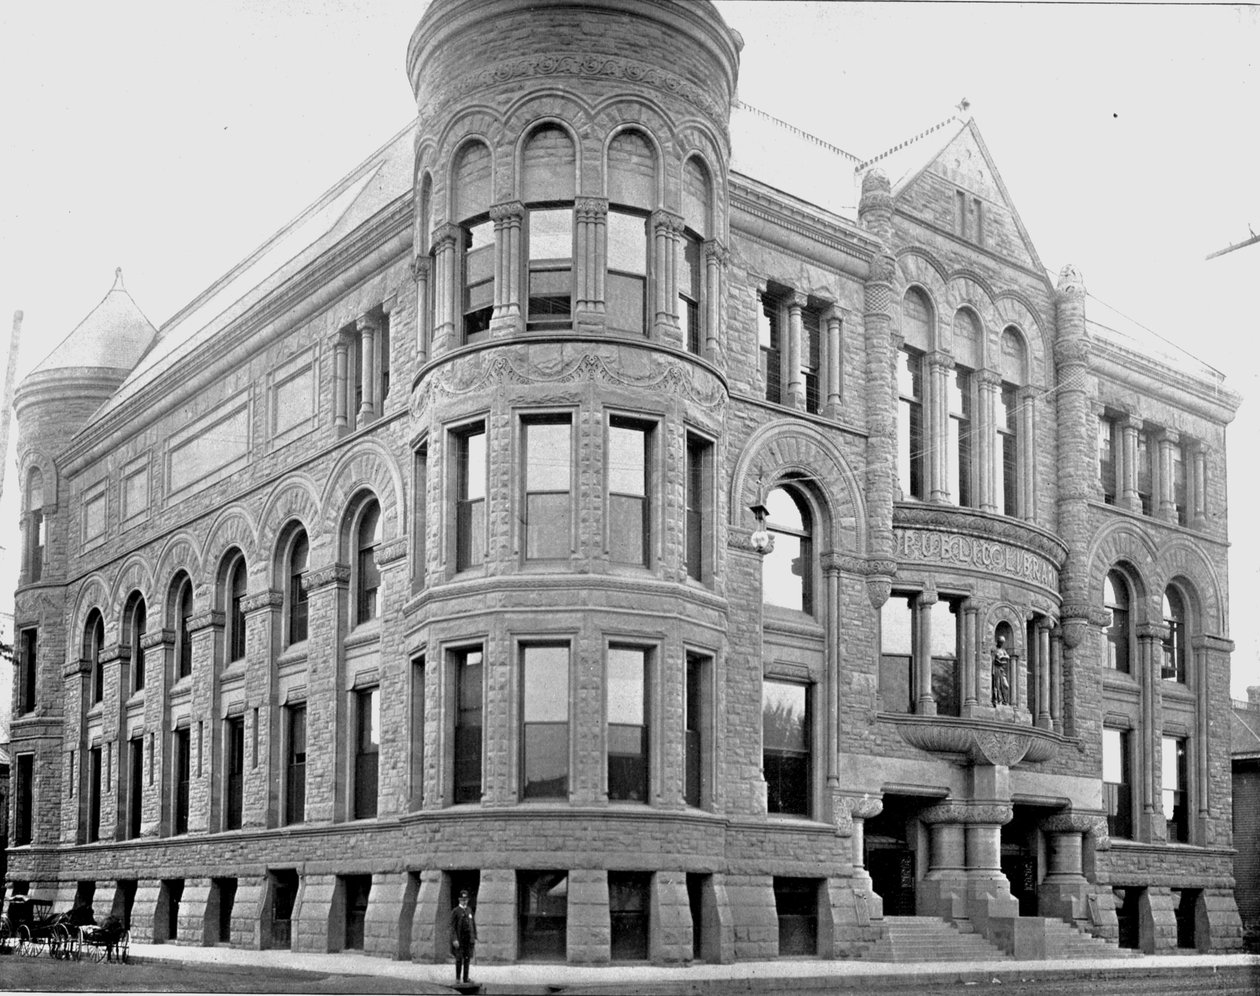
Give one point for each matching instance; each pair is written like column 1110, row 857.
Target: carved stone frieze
column 269, row 599
column 391, row 550
column 321, row 577
column 983, row 741
column 589, row 65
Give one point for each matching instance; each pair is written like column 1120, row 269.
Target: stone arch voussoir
column 368, row 467
column 1182, row 560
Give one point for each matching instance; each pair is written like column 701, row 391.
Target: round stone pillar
column 1064, row 892
column 943, row 891
column 988, row 889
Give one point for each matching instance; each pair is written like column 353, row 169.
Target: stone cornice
column 828, row 230
column 1204, row 397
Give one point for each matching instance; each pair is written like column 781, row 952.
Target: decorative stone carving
column 1072, row 823
column 204, row 619
column 1071, row 283
column 391, row 550
column 982, row 741
column 322, row 577
column 421, row 267
column 878, row 589
column 269, row 599
column 970, row 542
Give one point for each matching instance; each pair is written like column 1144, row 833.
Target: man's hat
column 463, row 894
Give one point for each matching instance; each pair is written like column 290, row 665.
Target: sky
column 172, row 139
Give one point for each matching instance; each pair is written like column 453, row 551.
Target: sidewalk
column 825, row 973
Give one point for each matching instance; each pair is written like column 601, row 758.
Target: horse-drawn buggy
column 30, row 927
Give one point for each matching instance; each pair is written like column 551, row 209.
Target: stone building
column 1245, row 730
column 688, row 570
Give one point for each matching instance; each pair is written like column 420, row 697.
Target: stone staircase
column 924, row 938
column 1066, row 941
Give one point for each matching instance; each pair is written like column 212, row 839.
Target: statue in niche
column 1001, row 673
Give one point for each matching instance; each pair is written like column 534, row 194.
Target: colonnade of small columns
column 1163, row 468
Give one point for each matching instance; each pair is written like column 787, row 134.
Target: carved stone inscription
column 925, row 546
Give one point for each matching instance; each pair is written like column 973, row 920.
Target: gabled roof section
column 114, row 336
column 927, row 170
column 371, row 186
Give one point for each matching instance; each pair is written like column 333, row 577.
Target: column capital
column 940, row 358
column 389, row 304
column 796, row 299
column 929, row 596
column 445, row 236
column 590, row 208
column 834, row 313
column 367, row 323
column 717, row 252
column 666, row 222
column 157, row 638
column 1129, row 422
column 1072, row 822
column 421, row 267
column 391, row 550
column 325, row 577
column 988, row 378
column 508, row 210
column 269, row 599
column 205, row 619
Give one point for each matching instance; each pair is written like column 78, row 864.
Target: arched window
column 179, row 614
column 697, row 196
column 1117, row 600
column 548, row 167
column 1010, row 424
column 787, row 571
column 295, row 593
column 34, row 525
column 135, row 616
column 1174, row 664
column 912, row 426
column 93, row 642
column 961, row 478
column 234, row 606
column 367, row 576
column 631, row 196
column 471, row 193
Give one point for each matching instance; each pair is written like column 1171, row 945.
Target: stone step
column 923, row 939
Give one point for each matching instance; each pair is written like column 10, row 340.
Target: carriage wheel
column 26, row 946
column 99, row 951
column 58, row 941
column 74, row 943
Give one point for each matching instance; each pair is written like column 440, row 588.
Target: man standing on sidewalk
column 463, row 936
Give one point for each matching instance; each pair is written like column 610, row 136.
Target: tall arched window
column 697, row 195
column 787, row 571
column 34, row 525
column 135, row 616
column 295, row 593
column 1174, row 664
column 367, row 575
column 631, row 196
column 234, row 606
column 180, row 612
column 961, row 476
column 1117, row 601
column 912, row 425
column 471, row 193
column 548, row 184
column 1010, row 424
column 93, row 642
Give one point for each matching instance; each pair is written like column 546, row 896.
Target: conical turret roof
column 113, row 336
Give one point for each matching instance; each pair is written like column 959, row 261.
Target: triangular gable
column 930, row 194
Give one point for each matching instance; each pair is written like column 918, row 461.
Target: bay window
column 547, row 476
column 545, row 722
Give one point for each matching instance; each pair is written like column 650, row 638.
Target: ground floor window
column 543, row 909
column 357, row 890
column 172, row 892
column 284, row 890
column 629, row 895
column 796, row 903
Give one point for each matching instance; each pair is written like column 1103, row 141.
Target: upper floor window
column 547, row 455
column 787, row 571
column 367, row 750
column 626, row 687
column 367, row 536
column 181, row 607
column 699, row 502
column 1116, row 601
column 1147, row 449
column 1174, row 657
column 627, row 271
column 1179, row 483
column 24, row 800
column 629, row 510
column 770, row 343
column 233, row 595
column 811, row 357
column 136, row 620
column 28, row 668
column 1174, row 775
column 896, row 654
column 1109, row 458
column 959, row 435
column 467, row 671
column 911, row 455
column 471, row 191
column 470, row 498
column 696, row 199
column 93, row 644
column 1010, row 422
column 234, row 772
column 549, row 167
column 296, row 605
column 1118, row 782
column 785, row 747
column 544, row 722
column 35, row 538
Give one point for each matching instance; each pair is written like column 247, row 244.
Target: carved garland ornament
column 590, row 65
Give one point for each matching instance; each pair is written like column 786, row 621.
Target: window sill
column 364, row 633
column 295, row 653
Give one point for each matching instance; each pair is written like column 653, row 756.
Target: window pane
column 627, row 460
column 625, row 685
column 625, row 302
column 546, row 684
column 781, row 569
column 783, row 716
column 546, row 760
column 627, row 243
column 547, row 526
column 548, row 456
column 895, row 628
column 550, row 233
column 1113, row 763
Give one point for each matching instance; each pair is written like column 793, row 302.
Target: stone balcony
column 982, row 740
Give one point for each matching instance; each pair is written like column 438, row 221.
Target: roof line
column 909, row 141
column 796, row 131
column 1145, row 328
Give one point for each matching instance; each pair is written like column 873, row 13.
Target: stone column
column 590, row 263
column 205, row 629
column 366, row 327
column 506, row 318
column 936, row 415
column 159, row 652
column 445, row 301
column 1202, row 743
column 260, row 802
column 971, row 650
column 666, row 230
column 1198, row 518
column 1064, row 891
column 988, row 889
column 1027, row 449
column 990, row 388
column 1149, row 655
column 1097, row 416
column 943, row 891
column 1166, row 508
column 833, row 322
column 716, row 257
column 925, row 704
column 341, row 347
column 831, row 563
column 1056, row 679
column 860, row 810
column 795, row 381
column 326, row 699
column 1129, row 497
column 422, row 273
column 1043, row 676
